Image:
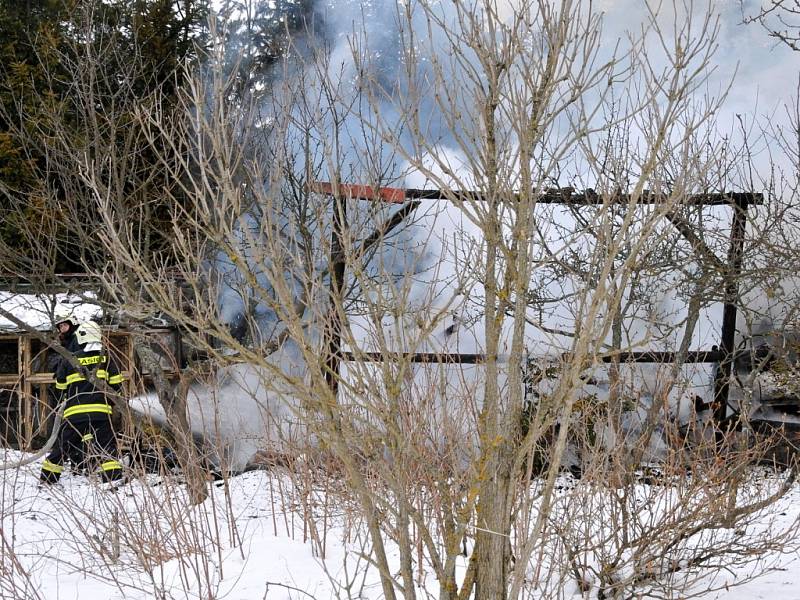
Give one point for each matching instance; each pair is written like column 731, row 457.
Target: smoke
column 758, row 73
column 345, row 56
column 380, row 59
column 358, row 52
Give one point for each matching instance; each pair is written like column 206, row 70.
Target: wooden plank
column 693, row 356
column 128, row 370
column 337, row 273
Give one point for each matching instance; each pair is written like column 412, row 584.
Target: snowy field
column 258, row 535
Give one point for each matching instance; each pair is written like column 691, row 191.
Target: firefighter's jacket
column 85, row 401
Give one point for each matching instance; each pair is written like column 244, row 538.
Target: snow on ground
column 248, row 540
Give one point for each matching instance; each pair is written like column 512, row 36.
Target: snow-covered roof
column 36, row 310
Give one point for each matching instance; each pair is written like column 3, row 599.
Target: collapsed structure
column 723, row 355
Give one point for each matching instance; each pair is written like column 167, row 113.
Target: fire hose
column 44, row 449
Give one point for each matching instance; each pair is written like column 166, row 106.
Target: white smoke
column 362, row 43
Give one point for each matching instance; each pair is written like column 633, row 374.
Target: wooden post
column 730, row 298
column 337, row 272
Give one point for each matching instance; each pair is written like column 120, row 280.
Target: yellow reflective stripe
column 87, row 408
column 112, row 380
column 99, row 373
column 88, row 437
column 110, row 465
column 91, row 360
column 52, row 467
column 75, row 377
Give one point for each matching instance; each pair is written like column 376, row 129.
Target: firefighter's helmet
column 88, row 332
column 64, row 314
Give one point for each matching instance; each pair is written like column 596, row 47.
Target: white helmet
column 64, row 314
column 88, row 332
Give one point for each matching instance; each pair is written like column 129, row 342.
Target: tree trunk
column 174, row 403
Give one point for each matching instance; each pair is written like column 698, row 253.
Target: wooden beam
column 693, row 356
column 386, row 228
column 415, row 357
column 394, row 195
column 698, row 245
column 360, row 192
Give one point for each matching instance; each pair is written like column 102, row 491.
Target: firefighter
column 86, row 431
column 66, row 324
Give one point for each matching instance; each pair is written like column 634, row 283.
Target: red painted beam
column 360, row 192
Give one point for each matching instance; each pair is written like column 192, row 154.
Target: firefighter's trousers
column 89, row 444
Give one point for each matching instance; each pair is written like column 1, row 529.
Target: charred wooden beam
column 693, row 356
column 386, row 228
column 359, row 192
column 698, row 245
column 394, row 195
column 416, row 357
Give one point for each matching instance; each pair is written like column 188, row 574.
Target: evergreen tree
column 75, row 71
column 257, row 34
column 31, row 33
